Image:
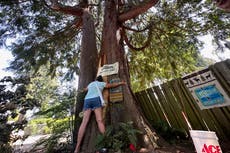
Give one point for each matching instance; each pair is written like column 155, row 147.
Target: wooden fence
column 173, row 103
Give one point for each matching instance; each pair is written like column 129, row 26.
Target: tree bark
column 88, row 71
column 113, row 48
column 223, row 4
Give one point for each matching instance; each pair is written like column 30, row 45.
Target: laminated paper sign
column 109, row 69
column 206, row 89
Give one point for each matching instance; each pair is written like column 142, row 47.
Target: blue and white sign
column 206, row 89
column 209, row 95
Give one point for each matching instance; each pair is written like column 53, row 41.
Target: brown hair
column 99, row 78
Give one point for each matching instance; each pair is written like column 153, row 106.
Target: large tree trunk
column 113, row 48
column 88, row 71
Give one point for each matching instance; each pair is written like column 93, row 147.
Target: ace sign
column 205, row 141
column 211, row 149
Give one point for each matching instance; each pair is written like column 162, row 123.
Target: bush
column 170, row 134
column 118, row 138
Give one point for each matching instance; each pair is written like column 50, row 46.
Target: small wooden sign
column 115, row 94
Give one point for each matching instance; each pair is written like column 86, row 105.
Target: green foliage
column 13, row 107
column 43, row 37
column 6, row 148
column 38, row 126
column 174, row 46
column 58, row 130
column 52, row 144
column 26, row 93
column 59, row 125
column 47, row 37
column 170, row 134
column 55, row 116
column 118, row 138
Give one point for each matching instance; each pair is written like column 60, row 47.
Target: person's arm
column 82, row 90
column 113, row 85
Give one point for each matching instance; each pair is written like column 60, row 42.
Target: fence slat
column 187, row 103
column 226, row 112
column 174, row 106
column 143, row 102
column 221, row 71
column 168, row 112
column 213, row 123
column 155, row 105
column 222, row 121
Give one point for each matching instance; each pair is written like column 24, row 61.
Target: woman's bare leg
column 82, row 128
column 99, row 118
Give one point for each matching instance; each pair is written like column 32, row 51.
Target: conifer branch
column 146, row 44
column 133, row 12
column 136, row 30
column 72, row 10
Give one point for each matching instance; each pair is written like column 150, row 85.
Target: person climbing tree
column 93, row 102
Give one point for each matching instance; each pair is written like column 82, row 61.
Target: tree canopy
column 162, row 42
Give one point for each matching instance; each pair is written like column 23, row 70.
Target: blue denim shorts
column 92, row 103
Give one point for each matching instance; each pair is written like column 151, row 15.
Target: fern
column 118, row 138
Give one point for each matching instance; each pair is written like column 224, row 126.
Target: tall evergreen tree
column 59, row 33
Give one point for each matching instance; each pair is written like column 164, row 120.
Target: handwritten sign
column 109, row 69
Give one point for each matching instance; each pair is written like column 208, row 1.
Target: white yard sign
column 109, row 69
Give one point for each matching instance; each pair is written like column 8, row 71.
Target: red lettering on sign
column 211, row 149
column 218, row 149
column 205, row 149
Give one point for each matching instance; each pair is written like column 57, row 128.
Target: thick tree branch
column 136, row 30
column 76, row 10
column 146, row 44
column 136, row 11
column 77, row 23
column 73, row 25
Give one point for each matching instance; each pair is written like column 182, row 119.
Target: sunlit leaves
column 14, row 104
column 46, row 37
column 174, row 49
column 41, row 37
column 56, row 101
